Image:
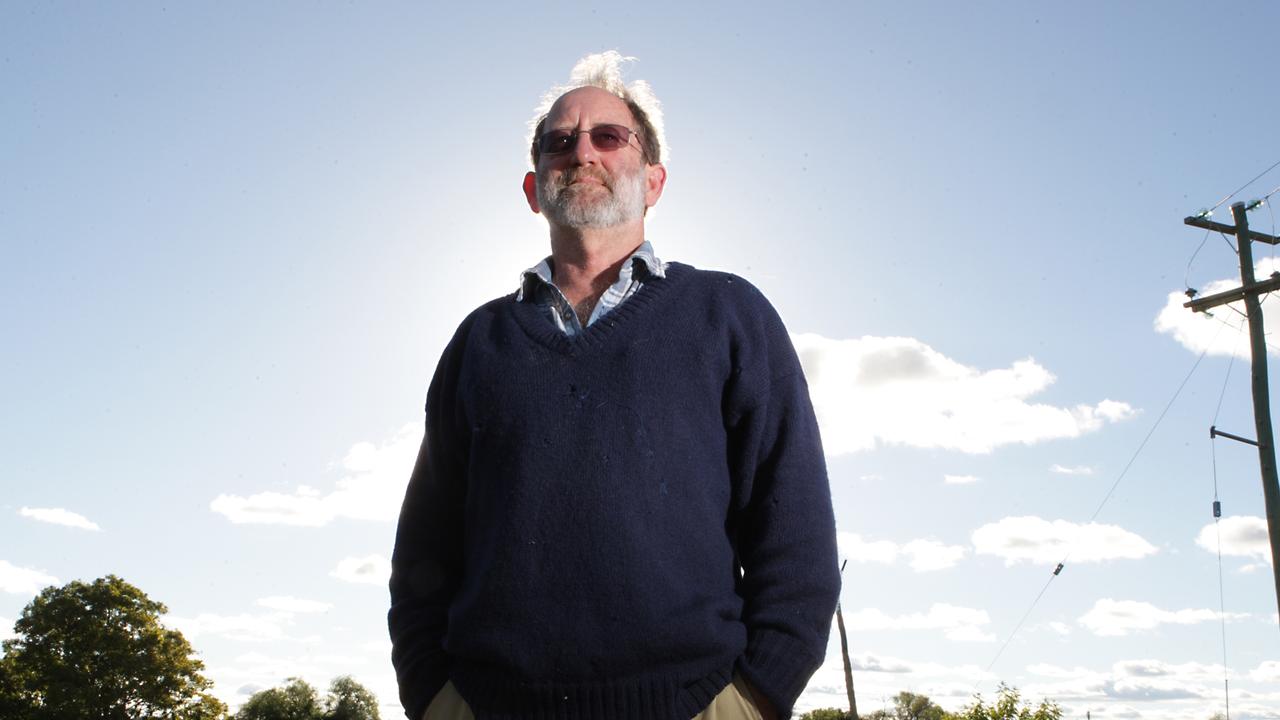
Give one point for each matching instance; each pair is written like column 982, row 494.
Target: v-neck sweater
column 611, row 524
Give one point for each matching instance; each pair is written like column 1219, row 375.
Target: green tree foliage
column 98, row 650
column 349, row 700
column 1009, row 706
column 298, row 700
column 910, row 706
column 827, row 714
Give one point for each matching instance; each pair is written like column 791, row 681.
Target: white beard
column 584, row 207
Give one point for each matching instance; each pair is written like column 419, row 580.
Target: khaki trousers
column 733, row 703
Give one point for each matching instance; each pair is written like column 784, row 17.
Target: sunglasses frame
column 561, row 134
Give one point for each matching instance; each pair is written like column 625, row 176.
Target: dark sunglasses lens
column 609, row 137
column 556, row 142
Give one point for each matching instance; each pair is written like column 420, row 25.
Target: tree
column 298, row 700
column 1009, row 706
column 98, row 650
column 349, row 700
column 910, row 706
column 826, row 714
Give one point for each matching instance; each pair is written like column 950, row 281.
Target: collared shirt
column 537, row 285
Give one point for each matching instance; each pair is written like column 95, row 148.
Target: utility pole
column 844, row 652
column 1249, row 291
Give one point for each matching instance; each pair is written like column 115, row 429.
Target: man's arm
column 426, row 564
column 785, row 528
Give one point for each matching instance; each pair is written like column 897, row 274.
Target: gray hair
column 604, row 71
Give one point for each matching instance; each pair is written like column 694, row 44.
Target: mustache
column 572, row 175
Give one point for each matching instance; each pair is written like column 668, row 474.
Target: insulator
column 1217, row 509
column 1057, row 569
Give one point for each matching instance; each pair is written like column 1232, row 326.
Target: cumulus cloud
column 1137, row 680
column 285, row 603
column 1242, row 536
column 1036, row 540
column 874, row 663
column 1268, row 671
column 959, row 479
column 899, row 391
column 1060, row 628
column 368, row 570
column 23, row 581
column 923, row 555
column 370, row 489
column 1110, row 617
column 245, row 627
column 1074, row 470
column 1222, row 332
column 1151, row 690
column 59, row 516
column 956, row 623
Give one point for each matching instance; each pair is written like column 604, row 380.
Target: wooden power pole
column 844, row 653
column 1249, row 291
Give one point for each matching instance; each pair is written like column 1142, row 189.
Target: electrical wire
column 1186, row 277
column 1057, row 570
column 1217, row 513
column 1264, row 172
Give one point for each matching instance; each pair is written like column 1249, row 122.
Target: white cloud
column 879, row 664
column 1060, row 628
column 285, row 603
column 1223, row 331
column 1152, row 690
column 1120, row 617
column 1149, row 668
column 899, row 391
column 59, row 516
column 959, row 479
column 6, row 629
column 922, row 554
column 1242, row 535
column 957, row 623
column 371, row 489
column 928, row 555
column 23, row 581
column 369, row 570
column 1268, row 671
column 243, row 627
column 1035, row 540
column 1074, row 470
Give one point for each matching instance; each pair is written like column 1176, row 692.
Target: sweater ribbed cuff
column 779, row 667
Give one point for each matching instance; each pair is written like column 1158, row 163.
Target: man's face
column 586, row 187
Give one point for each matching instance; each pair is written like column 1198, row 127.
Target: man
column 620, row 508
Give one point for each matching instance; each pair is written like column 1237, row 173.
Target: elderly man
column 620, row 508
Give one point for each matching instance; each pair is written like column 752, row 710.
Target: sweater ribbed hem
column 662, row 697
column 778, row 666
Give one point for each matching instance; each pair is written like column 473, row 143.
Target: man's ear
column 531, row 190
column 655, row 180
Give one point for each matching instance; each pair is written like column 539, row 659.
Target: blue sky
column 235, row 238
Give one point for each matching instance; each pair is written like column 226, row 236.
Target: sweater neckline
column 532, row 317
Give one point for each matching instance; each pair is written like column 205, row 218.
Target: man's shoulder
column 716, row 282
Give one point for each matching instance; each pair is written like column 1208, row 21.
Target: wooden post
column 1249, row 292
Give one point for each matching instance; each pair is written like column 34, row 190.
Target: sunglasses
column 605, row 138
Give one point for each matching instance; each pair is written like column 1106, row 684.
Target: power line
column 1058, row 569
column 1223, row 200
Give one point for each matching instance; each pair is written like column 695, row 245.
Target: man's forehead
column 600, row 105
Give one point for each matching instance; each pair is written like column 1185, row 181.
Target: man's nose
column 584, row 153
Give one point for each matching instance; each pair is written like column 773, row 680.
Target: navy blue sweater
column 610, row 525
